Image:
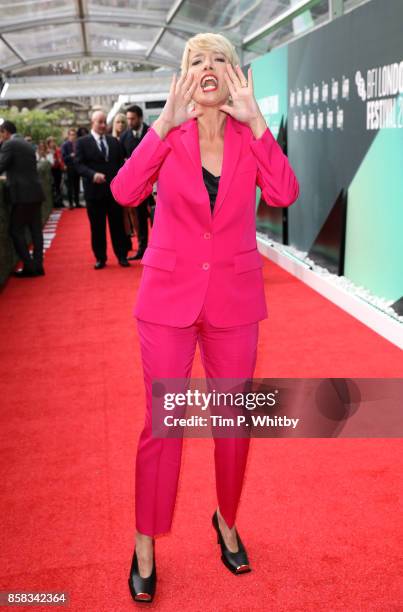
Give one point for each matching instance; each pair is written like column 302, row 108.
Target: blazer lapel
column 190, row 139
column 232, row 149
column 96, row 149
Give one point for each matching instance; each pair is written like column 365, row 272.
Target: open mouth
column 209, row 83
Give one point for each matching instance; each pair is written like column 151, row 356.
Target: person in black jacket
column 129, row 140
column 73, row 178
column 98, row 159
column 17, row 159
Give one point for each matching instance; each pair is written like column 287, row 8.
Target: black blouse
column 211, row 183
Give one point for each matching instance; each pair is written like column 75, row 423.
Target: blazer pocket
column 164, row 259
column 251, row 260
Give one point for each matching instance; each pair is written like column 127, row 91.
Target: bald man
column 98, row 158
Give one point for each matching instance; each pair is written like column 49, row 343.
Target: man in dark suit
column 98, row 159
column 129, row 140
column 25, row 193
column 73, row 178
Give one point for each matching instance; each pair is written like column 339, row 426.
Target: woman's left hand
column 244, row 106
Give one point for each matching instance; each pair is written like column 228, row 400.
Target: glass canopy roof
column 36, row 33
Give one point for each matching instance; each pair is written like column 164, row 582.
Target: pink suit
column 202, row 280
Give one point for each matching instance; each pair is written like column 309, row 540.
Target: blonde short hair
column 117, row 117
column 209, row 41
column 121, row 117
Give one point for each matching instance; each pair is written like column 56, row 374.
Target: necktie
column 103, row 147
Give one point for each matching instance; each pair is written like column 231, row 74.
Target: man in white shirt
column 98, row 159
column 129, row 140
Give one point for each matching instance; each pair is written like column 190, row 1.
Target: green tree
column 39, row 124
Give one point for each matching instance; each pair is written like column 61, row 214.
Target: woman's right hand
column 176, row 109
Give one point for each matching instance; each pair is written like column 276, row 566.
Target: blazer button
column 206, row 266
column 207, row 235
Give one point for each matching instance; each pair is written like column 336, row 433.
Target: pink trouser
column 168, row 352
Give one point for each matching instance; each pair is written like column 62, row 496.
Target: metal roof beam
column 174, row 10
column 81, row 16
column 144, row 19
column 131, row 57
column 155, row 42
column 170, row 15
column 77, row 77
column 11, row 48
column 279, row 21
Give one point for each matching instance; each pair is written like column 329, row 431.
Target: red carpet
column 320, row 518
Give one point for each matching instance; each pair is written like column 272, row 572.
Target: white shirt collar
column 98, row 136
column 139, row 131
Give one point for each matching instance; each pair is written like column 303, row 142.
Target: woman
column 41, row 151
column 55, row 158
column 82, row 131
column 202, row 279
column 119, row 125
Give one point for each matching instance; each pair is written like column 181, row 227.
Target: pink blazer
column 195, row 257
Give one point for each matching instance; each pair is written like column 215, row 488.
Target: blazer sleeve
column 6, row 157
column 79, row 161
column 135, row 179
column 65, row 153
column 275, row 176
